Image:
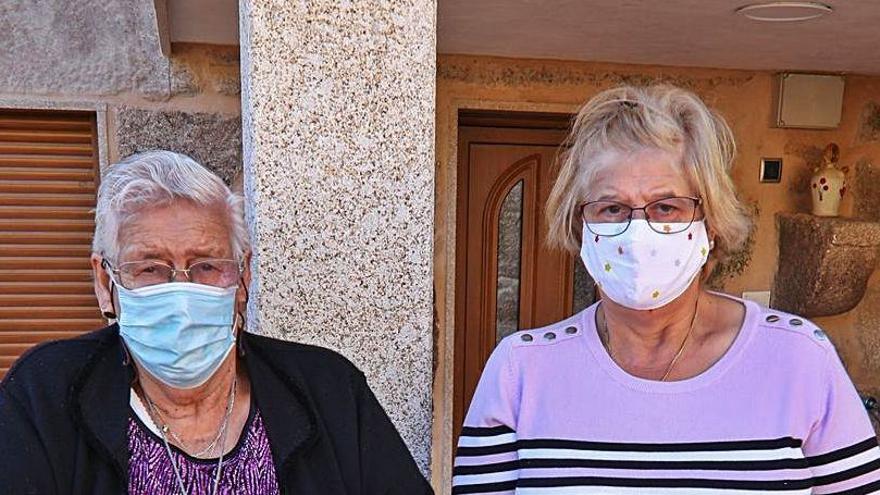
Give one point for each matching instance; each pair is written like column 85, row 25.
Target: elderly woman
column 174, row 398
column 662, row 387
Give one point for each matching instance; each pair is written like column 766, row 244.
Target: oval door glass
column 509, row 261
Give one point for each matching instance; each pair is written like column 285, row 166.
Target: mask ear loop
column 110, row 315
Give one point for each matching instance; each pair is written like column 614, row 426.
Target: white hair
column 157, row 178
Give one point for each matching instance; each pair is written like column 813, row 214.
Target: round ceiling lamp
column 784, row 11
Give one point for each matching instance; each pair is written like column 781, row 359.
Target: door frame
column 501, row 129
column 445, row 253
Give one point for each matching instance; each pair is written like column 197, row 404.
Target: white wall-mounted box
column 809, row 101
column 761, row 297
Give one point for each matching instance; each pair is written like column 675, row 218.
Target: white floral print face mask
column 643, row 269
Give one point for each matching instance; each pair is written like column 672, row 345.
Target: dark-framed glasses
column 214, row 272
column 664, row 216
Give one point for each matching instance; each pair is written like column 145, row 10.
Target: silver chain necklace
column 221, row 435
column 211, row 446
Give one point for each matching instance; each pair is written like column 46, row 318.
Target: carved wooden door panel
column 506, row 277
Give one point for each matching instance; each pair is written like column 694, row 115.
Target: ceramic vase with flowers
column 828, row 184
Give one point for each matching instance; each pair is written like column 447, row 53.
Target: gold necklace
column 606, row 340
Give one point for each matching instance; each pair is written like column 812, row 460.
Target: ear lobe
column 245, row 280
column 711, row 233
column 102, row 287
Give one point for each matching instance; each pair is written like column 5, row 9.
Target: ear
column 102, row 285
column 241, row 297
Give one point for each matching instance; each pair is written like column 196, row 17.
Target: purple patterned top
column 247, row 470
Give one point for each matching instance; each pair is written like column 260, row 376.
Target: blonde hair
column 627, row 119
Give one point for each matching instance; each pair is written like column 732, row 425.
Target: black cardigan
column 64, row 409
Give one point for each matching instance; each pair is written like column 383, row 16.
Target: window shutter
column 48, row 184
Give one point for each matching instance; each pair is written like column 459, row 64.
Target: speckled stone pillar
column 338, row 131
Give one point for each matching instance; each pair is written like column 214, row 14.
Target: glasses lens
column 606, row 218
column 671, row 215
column 218, row 273
column 143, row 274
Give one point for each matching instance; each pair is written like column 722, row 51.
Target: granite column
column 338, row 131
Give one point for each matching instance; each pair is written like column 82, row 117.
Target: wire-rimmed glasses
column 214, row 272
column 664, row 216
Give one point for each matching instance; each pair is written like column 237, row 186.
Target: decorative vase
column 828, row 184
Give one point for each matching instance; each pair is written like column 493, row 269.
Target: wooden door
column 507, row 278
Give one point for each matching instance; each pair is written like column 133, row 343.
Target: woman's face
column 638, row 178
column 177, row 234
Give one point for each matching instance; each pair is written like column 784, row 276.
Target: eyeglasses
column 664, row 216
column 214, row 272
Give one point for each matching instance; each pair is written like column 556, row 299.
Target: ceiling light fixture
column 784, row 11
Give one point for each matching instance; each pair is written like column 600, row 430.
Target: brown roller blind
column 48, row 181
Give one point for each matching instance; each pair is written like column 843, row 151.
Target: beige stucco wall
column 745, row 98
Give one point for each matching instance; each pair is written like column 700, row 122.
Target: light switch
column 771, row 169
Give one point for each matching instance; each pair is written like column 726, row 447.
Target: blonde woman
column 662, row 386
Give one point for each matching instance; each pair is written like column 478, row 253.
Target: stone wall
column 105, row 55
column 857, row 332
column 81, row 47
column 212, row 139
column 201, row 118
column 867, row 190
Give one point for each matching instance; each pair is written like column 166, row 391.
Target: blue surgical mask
column 179, row 332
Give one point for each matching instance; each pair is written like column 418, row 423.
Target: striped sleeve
column 486, row 460
column 842, row 448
